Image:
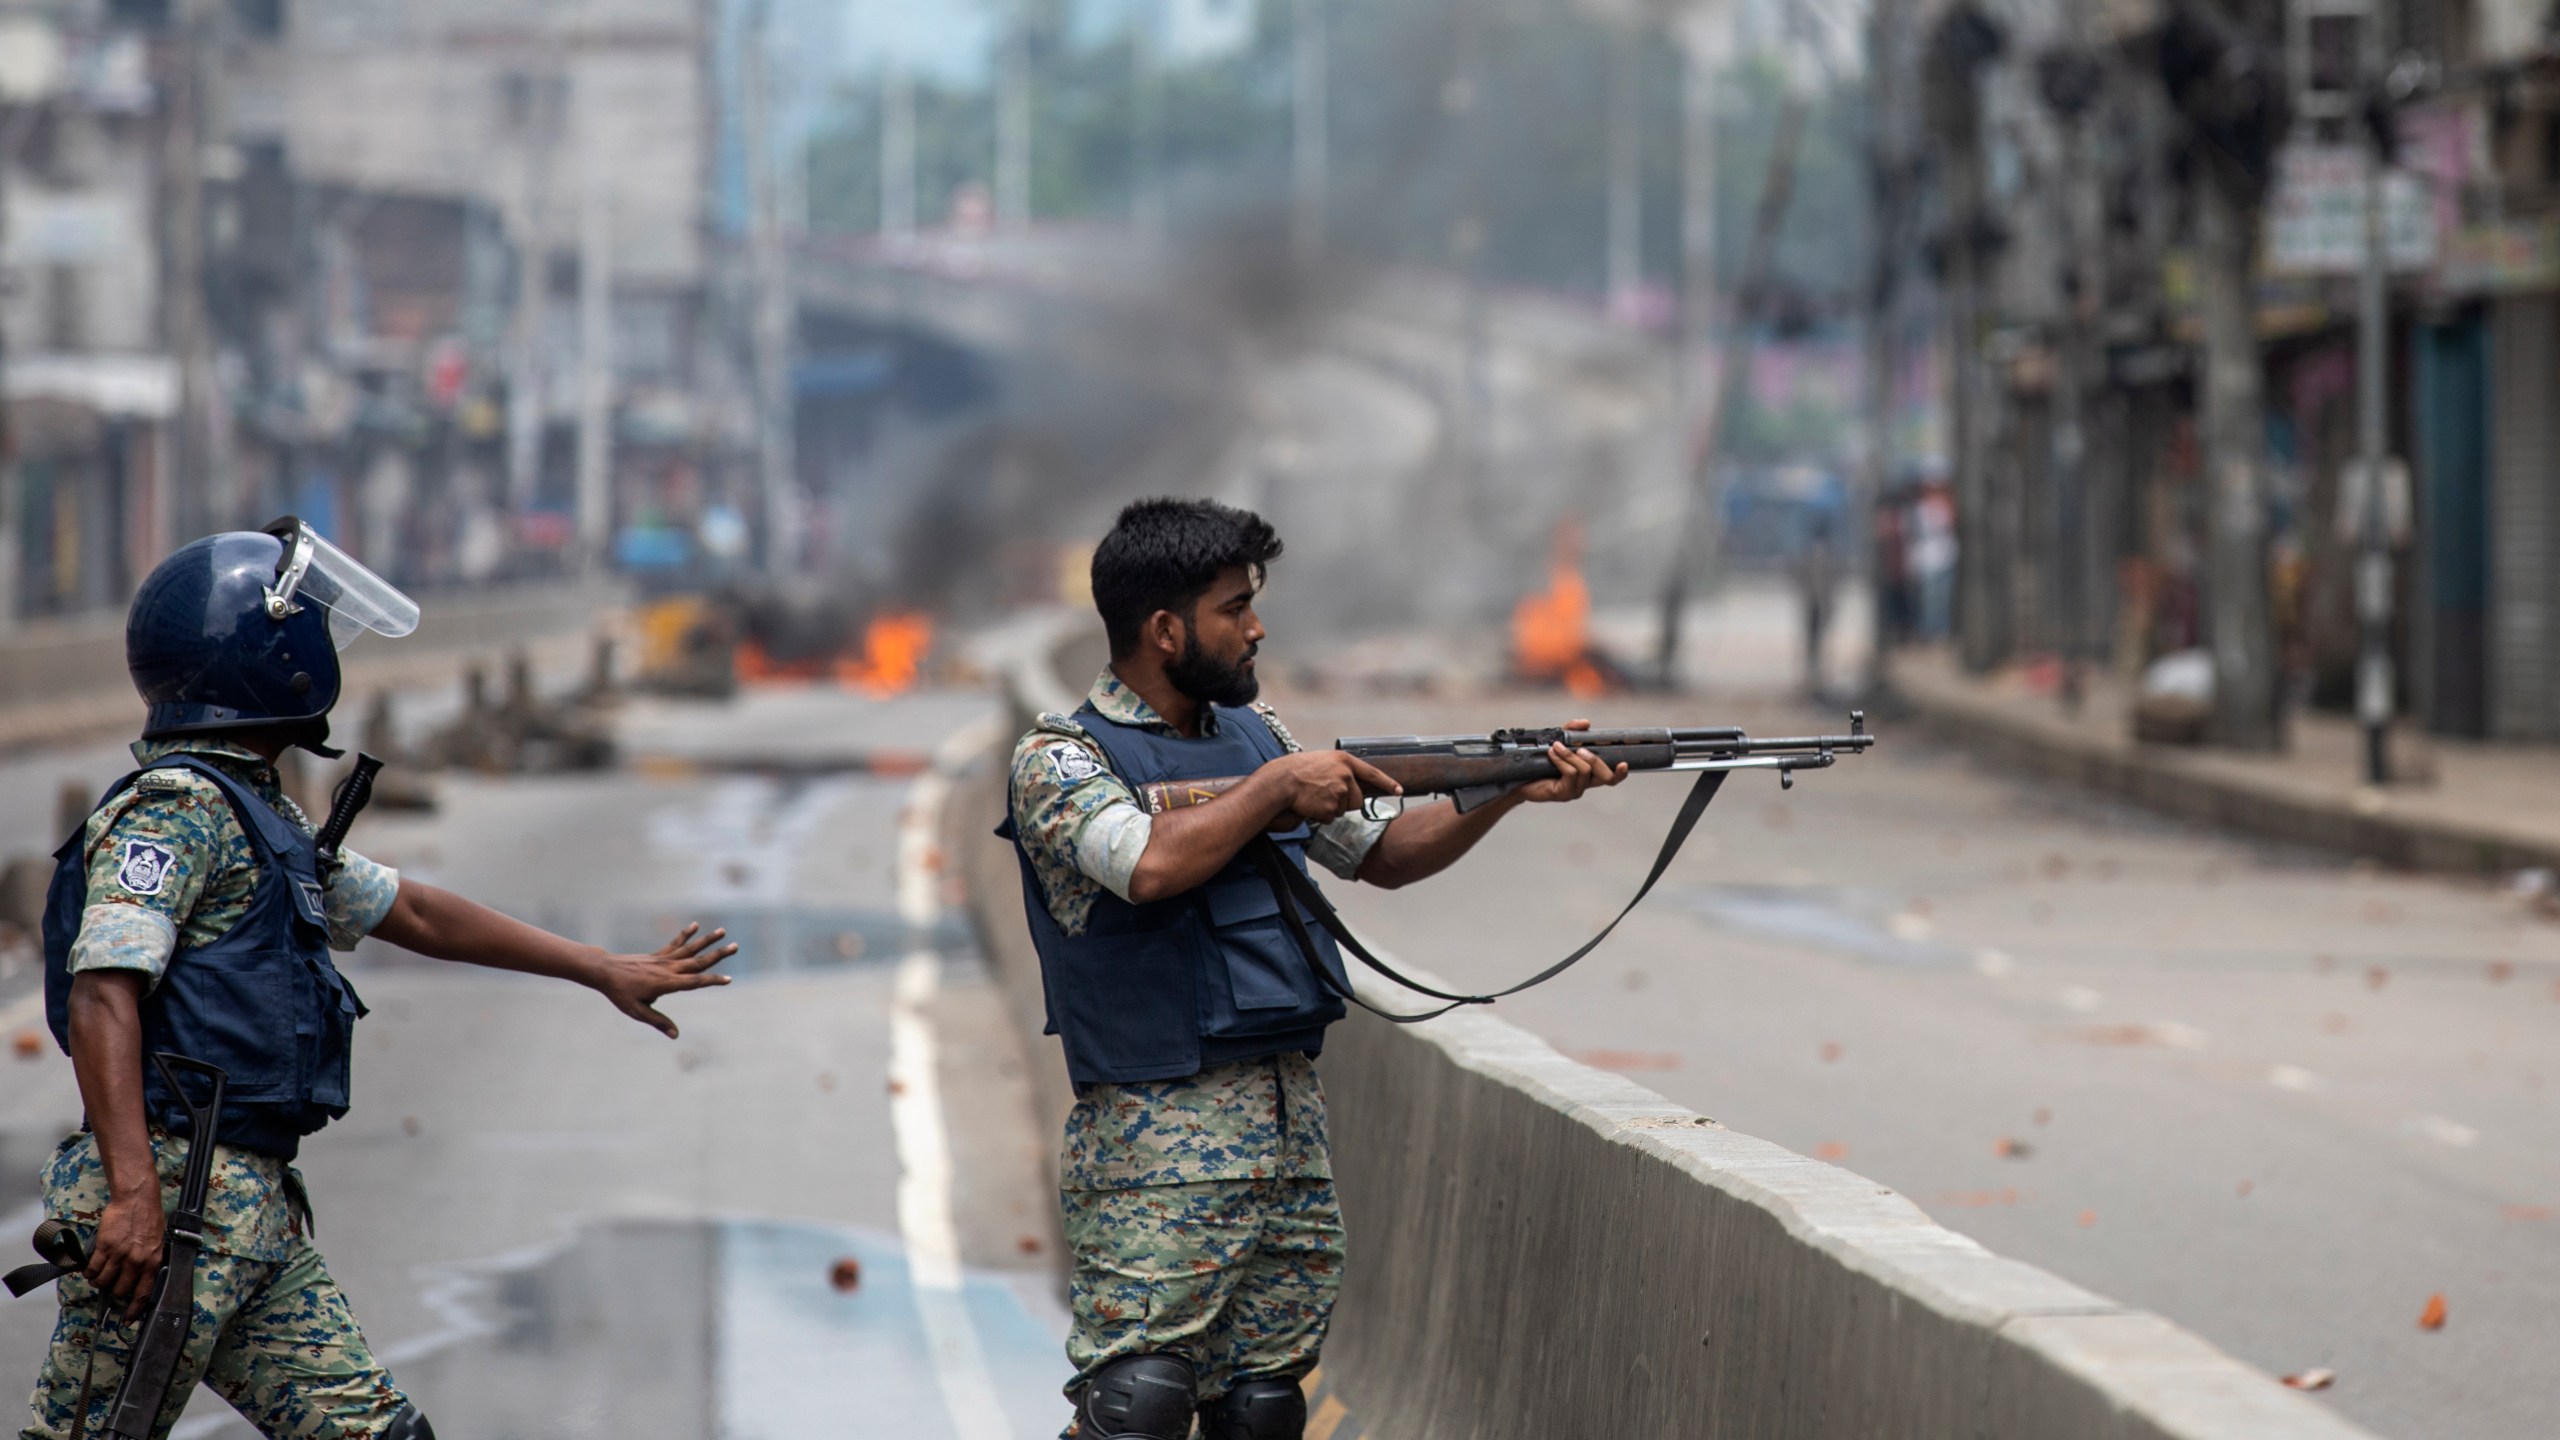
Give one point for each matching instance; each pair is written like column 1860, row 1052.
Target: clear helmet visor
column 315, row 572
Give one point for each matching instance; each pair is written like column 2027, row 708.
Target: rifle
column 153, row 1365
column 349, row 802
column 1474, row 769
column 154, row 1362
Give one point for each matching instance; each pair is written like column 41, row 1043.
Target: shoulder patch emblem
column 145, row 867
column 1073, row 764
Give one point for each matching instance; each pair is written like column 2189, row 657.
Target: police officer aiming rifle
column 1197, row 1187
column 193, row 917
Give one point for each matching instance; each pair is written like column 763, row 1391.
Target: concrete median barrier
column 1540, row 1249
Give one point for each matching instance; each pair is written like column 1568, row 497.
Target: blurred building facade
column 2079, row 156
column 437, row 276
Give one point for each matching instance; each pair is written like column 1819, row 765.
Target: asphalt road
column 556, row 1222
column 2281, row 1099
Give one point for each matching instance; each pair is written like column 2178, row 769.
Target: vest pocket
column 333, row 1048
column 1265, row 971
column 230, row 1014
column 1259, row 980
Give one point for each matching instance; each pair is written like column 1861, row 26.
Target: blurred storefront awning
column 141, row 387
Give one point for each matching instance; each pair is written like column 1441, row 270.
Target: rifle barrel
column 1748, row 746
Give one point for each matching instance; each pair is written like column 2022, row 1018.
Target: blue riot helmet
column 241, row 631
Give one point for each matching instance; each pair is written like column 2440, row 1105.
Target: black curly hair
column 1163, row 554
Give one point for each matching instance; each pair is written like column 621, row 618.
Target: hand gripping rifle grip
column 135, row 1411
column 348, row 803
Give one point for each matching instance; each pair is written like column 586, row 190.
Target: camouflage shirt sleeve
column 1080, row 823
column 1339, row 844
column 151, row 852
column 358, row 898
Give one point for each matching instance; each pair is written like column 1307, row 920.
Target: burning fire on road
column 887, row 660
column 1551, row 629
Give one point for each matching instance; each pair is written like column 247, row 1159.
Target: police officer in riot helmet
column 194, row 914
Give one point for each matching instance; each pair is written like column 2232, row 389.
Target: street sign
column 2315, row 216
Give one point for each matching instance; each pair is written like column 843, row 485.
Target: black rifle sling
column 1287, row 882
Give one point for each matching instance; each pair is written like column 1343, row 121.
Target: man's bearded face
column 1213, row 679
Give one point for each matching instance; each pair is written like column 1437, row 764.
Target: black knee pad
column 1258, row 1410
column 1142, row 1397
column 409, row 1424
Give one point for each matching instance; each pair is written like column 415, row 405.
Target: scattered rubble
column 524, row 733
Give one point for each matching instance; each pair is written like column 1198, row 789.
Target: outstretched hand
column 1576, row 771
column 635, row 983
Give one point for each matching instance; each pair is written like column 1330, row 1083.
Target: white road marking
column 2294, row 1078
column 1994, row 964
column 915, row 1114
column 2082, row 999
column 2446, row 1132
column 2177, row 1036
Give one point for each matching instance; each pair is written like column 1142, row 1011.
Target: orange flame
column 1551, row 630
column 893, row 651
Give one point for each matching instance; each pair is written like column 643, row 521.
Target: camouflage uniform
column 1200, row 1212
column 169, row 867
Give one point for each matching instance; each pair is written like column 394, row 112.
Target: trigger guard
column 1381, row 807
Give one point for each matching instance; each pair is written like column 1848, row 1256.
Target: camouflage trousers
column 1237, row 1277
column 273, row 1337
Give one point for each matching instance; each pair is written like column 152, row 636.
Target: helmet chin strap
column 313, row 735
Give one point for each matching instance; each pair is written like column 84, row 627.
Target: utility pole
column 2229, row 185
column 1698, row 520
column 1626, row 170
column 194, row 28
column 595, row 342
column 2070, row 422
column 2239, row 625
column 1963, row 42
column 2070, row 78
column 1013, row 120
column 1146, row 123
column 1886, row 202
column 1309, row 134
column 1701, row 52
column 12, row 126
column 2373, row 340
column 1459, row 95
column 1705, row 36
column 539, row 124
column 897, row 152
column 777, row 461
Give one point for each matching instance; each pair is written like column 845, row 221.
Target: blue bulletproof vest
column 264, row 1002
column 1161, row 990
